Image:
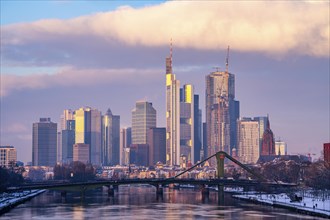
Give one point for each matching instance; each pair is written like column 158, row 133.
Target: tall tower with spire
column 268, row 141
column 172, row 114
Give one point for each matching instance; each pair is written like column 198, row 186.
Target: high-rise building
column 197, row 129
column 222, row 111
column 187, row 147
column 88, row 131
column 44, row 143
column 268, row 141
column 204, row 151
column 110, row 139
column 125, row 142
column 139, row 154
column 263, row 123
column 81, row 153
column 248, row 140
column 143, row 118
column 157, row 145
column 8, row 156
column 68, row 114
column 68, row 140
column 280, row 148
column 172, row 115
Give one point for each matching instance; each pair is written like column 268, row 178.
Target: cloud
column 70, row 76
column 15, row 127
column 269, row 27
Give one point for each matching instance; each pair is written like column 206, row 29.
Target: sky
column 58, row 55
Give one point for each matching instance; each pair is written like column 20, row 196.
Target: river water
column 141, row 202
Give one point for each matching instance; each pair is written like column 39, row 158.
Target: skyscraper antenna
column 171, row 50
column 227, row 59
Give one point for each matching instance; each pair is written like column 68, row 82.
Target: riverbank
column 11, row 200
column 310, row 206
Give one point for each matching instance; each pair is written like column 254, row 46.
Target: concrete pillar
column 205, row 192
column 159, row 189
column 111, row 191
column 63, row 193
column 221, row 195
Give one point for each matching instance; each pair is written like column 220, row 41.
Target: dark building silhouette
column 157, row 145
column 44, row 143
column 268, row 141
column 68, row 140
column 197, row 129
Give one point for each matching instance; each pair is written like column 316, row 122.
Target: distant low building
column 280, row 148
column 8, row 156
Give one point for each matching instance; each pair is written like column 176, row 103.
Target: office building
column 125, row 141
column 8, row 156
column 197, row 130
column 139, row 154
column 248, row 140
column 67, row 115
column 110, row 139
column 280, row 148
column 81, row 153
column 157, row 145
column 187, row 146
column 222, row 111
column 68, row 140
column 44, row 143
column 263, row 124
column 143, row 118
column 172, row 115
column 88, row 131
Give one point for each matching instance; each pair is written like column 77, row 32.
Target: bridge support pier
column 159, row 190
column 205, row 192
column 220, row 164
column 221, row 195
column 111, row 190
column 63, row 193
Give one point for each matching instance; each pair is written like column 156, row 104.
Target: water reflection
column 141, row 202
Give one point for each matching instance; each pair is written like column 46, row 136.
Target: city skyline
column 283, row 75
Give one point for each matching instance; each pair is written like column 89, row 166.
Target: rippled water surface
column 141, row 202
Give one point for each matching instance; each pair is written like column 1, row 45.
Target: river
column 141, row 202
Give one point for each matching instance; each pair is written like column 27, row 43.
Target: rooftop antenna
column 227, row 59
column 171, row 50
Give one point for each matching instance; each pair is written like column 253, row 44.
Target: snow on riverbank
column 308, row 205
column 9, row 200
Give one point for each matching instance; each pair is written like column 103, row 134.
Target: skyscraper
column 263, row 123
column 172, row 115
column 187, row 147
column 268, row 141
column 68, row 140
column 157, row 145
column 143, row 118
column 248, row 140
column 44, row 146
column 125, row 141
column 222, row 111
column 68, row 114
column 197, row 129
column 110, row 139
column 88, row 131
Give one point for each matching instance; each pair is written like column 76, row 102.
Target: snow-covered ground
column 310, row 204
column 11, row 199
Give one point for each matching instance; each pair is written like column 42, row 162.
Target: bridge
column 259, row 183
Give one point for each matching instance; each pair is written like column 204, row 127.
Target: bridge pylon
column 220, row 156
